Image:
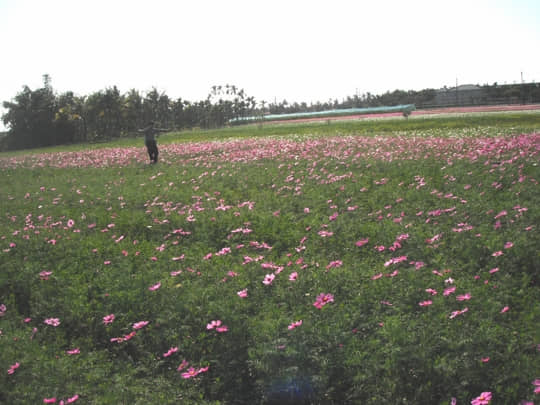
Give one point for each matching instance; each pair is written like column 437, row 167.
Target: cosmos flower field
column 299, row 269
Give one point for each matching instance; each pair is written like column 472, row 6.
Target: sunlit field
column 367, row 262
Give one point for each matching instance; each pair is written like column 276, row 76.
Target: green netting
column 405, row 108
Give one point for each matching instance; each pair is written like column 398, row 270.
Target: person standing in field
column 150, row 132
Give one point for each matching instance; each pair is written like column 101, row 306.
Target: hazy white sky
column 282, row 49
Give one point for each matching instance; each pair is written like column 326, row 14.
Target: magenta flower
column 44, row 275
column 49, row 400
column 213, row 324
column 293, row 276
column 464, row 297
column 536, row 384
column 362, row 242
column 72, row 399
column 192, row 372
column 333, row 264
column 243, row 293
column 182, row 365
column 52, row 321
column 74, row 351
column 508, row 245
column 139, row 325
column 459, row 312
column 170, row 351
column 269, row 278
column 13, row 367
column 155, row 287
column 449, row 291
column 107, row 319
column 124, row 338
column 505, row 309
column 218, row 326
column 376, row 276
column 498, row 253
column 294, row 325
column 425, row 303
column 483, row 399
column 322, row 300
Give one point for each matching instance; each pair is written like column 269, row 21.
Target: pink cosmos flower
column 536, row 384
column 483, row 399
column 464, row 297
column 213, row 324
column 190, row 373
column 243, row 293
column 431, row 291
column 322, row 300
column 333, row 264
column 484, row 359
column 124, row 338
column 293, row 276
column 494, row 270
column 508, row 245
column 71, row 400
column 49, row 400
column 425, row 303
column 107, row 319
column 73, row 351
column 294, row 325
column 325, row 234
column 449, row 291
column 13, row 367
column 362, row 242
column 52, row 321
column 44, row 275
column 222, row 329
column 496, row 254
column 459, row 312
column 139, row 325
column 269, row 278
column 170, row 351
column 395, row 260
column 505, row 309
column 376, row 276
column 182, row 365
column 155, row 287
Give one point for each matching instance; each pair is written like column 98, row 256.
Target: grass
column 376, row 224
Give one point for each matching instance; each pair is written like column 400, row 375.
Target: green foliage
column 174, row 243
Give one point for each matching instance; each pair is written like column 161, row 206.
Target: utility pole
column 457, row 102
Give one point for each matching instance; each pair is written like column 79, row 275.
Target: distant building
column 465, row 94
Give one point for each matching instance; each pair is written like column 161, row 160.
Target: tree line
column 41, row 117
